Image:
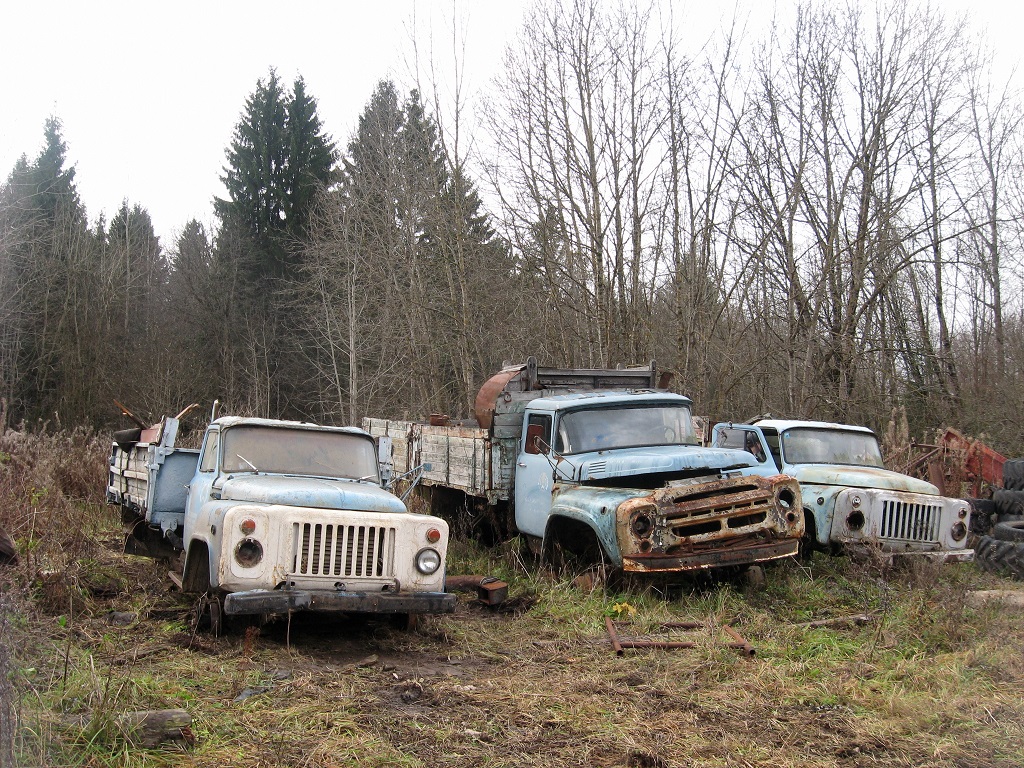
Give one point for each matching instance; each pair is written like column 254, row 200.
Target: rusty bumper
column 259, row 601
column 741, row 554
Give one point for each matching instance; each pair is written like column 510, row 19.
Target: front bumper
column 888, row 554
column 259, row 601
column 744, row 554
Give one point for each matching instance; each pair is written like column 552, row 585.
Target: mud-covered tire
column 1009, row 503
column 1009, row 530
column 983, row 512
column 1013, row 475
column 1005, row 558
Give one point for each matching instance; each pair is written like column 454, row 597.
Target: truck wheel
column 1009, row 502
column 571, row 544
column 1013, row 474
column 208, row 615
column 754, row 578
column 1009, row 530
column 1001, row 557
column 983, row 511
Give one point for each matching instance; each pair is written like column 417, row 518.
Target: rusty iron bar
column 613, row 635
column 621, row 644
column 740, row 642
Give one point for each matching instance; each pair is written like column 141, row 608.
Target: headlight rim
column 419, row 562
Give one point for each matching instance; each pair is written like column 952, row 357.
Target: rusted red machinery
column 960, row 466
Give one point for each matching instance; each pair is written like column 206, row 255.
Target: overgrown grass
column 927, row 681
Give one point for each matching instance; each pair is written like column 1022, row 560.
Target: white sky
column 149, row 94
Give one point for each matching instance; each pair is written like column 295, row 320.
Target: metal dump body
column 149, row 477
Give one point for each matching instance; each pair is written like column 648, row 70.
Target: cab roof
column 608, row 399
column 251, row 421
column 781, row 425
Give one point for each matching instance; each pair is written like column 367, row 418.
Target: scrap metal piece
column 741, row 644
column 621, row 644
column 489, row 590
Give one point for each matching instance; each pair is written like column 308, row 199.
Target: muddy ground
column 925, row 680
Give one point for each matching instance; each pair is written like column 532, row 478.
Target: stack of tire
column 1001, row 549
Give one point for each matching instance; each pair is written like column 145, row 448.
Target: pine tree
column 278, row 158
column 311, row 160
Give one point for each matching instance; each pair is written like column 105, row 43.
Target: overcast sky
column 149, row 93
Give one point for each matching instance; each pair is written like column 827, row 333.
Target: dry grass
column 928, row 683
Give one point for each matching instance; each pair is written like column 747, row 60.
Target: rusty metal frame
column 621, row 644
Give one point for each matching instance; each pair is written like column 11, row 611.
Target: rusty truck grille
column 910, row 522
column 731, row 506
column 328, row 550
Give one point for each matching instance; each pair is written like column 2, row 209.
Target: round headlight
column 428, row 561
column 959, row 532
column 248, row 553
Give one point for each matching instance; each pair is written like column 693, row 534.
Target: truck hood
column 666, row 458
column 859, row 477
column 314, row 492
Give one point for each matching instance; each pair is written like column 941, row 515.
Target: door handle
column 521, row 463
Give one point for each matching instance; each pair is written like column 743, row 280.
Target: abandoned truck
column 279, row 516
column 850, row 500
column 599, row 466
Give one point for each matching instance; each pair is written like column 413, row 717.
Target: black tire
column 1009, row 530
column 1013, row 474
column 1002, row 557
column 1009, row 502
column 983, row 512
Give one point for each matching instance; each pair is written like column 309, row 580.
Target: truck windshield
column 600, row 429
column 298, row 452
column 831, row 446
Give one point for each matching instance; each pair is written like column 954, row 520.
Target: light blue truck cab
column 627, row 469
column 602, row 466
column 279, row 516
column 850, row 499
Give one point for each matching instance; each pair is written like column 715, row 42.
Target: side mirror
column 535, row 439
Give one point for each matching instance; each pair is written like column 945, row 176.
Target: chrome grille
column 910, row 522
column 343, row 551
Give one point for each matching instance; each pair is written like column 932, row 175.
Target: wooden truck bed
column 460, row 457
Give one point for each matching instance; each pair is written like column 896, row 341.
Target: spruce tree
column 278, row 158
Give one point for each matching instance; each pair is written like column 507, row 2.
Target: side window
column 538, row 434
column 772, row 438
column 209, row 460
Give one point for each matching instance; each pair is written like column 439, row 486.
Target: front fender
column 595, row 508
column 820, row 501
column 199, row 569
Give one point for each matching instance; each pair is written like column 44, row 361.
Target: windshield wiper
column 240, row 456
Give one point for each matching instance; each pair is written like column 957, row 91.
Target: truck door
column 534, row 482
column 201, row 487
column 744, row 438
